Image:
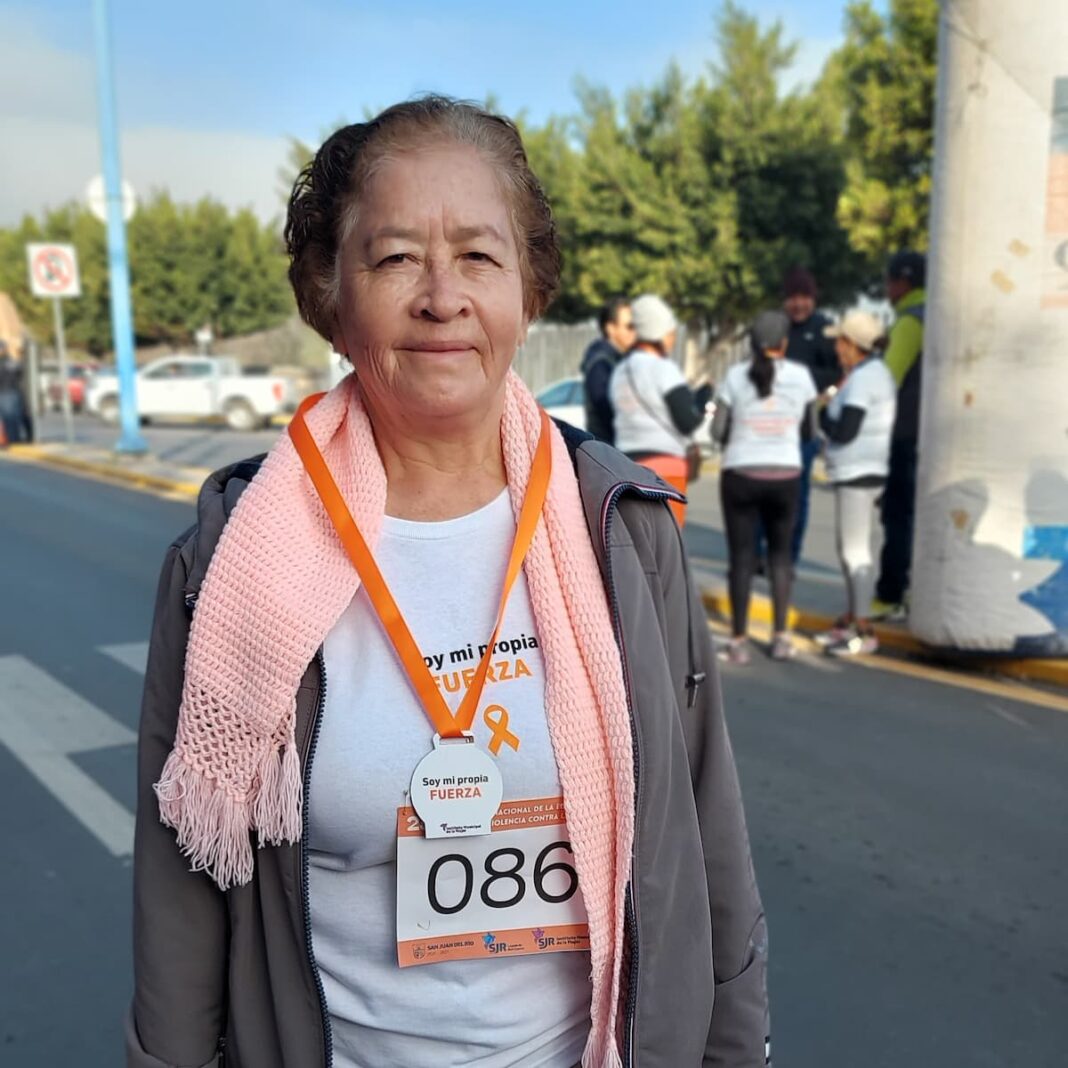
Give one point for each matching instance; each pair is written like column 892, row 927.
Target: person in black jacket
column 807, row 344
column 14, row 411
column 598, row 363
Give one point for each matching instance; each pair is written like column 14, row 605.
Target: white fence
column 554, row 351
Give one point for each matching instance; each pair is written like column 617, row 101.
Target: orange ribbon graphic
column 499, row 726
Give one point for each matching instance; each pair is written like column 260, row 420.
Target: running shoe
column 783, row 648
column 854, row 644
column 736, row 651
column 886, row 612
column 840, row 629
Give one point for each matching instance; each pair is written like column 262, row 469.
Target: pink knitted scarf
column 277, row 583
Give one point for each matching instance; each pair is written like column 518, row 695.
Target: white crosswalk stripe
column 42, row 723
column 133, row 655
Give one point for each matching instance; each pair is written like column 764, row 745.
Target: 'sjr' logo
column 540, row 938
column 491, row 943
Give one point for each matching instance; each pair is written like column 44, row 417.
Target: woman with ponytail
column 762, row 413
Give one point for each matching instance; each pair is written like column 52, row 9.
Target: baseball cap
column 910, row 266
column 860, row 327
column 769, row 330
column 653, row 318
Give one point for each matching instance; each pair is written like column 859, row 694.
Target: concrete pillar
column 990, row 568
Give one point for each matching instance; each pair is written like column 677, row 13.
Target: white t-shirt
column 870, row 386
column 646, row 425
column 529, row 1011
column 766, row 431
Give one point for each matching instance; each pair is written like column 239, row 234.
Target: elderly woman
column 433, row 765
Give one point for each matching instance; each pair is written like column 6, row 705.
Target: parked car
column 565, row 400
column 78, row 376
column 195, row 387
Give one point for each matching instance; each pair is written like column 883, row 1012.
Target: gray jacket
column 230, row 977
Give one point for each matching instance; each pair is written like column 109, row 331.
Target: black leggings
column 747, row 503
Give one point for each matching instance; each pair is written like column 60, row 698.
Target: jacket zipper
column 631, row 900
column 630, row 907
column 328, row 1035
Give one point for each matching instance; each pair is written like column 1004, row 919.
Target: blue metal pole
column 119, row 272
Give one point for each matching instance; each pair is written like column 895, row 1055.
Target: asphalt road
column 909, row 835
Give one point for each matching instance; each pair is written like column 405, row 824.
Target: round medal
column 456, row 788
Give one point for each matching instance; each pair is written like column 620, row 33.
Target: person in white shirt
column 857, row 421
column 762, row 412
column 656, row 412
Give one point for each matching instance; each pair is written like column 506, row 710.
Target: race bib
column 512, row 892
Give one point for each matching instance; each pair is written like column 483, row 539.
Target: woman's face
column 848, row 353
column 431, row 293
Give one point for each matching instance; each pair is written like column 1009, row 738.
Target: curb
column 896, row 639
column 110, row 472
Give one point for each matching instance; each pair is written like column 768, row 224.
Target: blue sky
column 207, row 92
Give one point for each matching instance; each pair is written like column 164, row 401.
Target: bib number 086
column 503, row 866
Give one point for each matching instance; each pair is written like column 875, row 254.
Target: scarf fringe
column 276, row 813
column 610, row 1058
column 213, row 828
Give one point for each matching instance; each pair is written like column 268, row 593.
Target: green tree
column 555, row 160
column 708, row 191
column 630, row 229
column 253, row 292
column 189, row 265
column 782, row 156
column 884, row 78
column 86, row 318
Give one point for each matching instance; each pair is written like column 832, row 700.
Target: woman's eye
column 478, row 257
column 394, row 260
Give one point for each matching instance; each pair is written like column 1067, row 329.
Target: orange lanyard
column 445, row 723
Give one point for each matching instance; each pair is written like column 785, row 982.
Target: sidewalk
column 819, row 591
column 818, row 588
column 143, row 471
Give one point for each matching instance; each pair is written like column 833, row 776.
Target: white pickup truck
column 195, row 387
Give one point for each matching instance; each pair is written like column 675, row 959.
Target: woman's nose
column 443, row 296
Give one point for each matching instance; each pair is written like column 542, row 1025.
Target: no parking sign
column 53, row 270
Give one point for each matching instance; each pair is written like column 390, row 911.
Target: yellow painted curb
column 1052, row 671
column 109, row 472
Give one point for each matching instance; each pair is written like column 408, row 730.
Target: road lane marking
column 1009, row 717
column 133, row 655
column 43, row 723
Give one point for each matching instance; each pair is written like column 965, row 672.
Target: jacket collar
column 912, row 299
